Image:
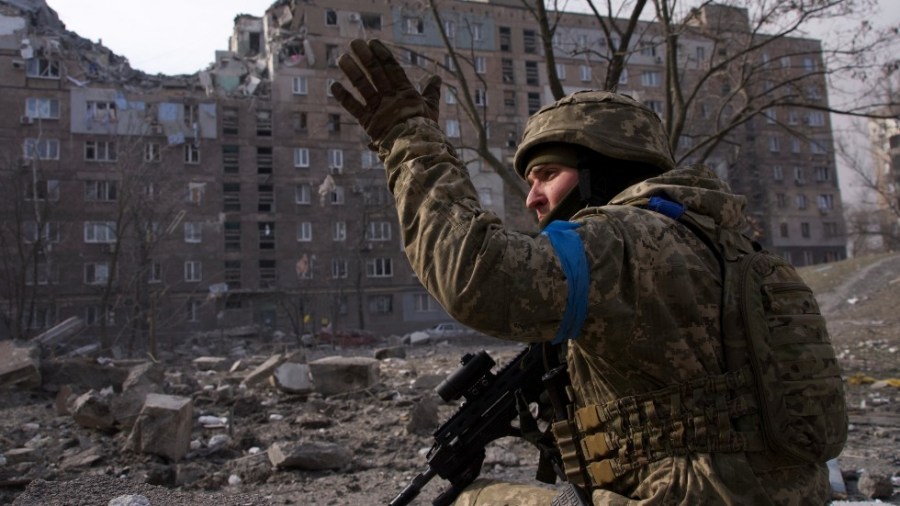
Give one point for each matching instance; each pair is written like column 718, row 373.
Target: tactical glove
column 389, row 98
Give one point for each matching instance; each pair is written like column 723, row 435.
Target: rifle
column 492, row 402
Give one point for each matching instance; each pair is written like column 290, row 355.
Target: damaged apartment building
column 158, row 206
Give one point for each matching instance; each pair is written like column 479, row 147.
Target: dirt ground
column 73, row 465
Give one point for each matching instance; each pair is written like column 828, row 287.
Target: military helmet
column 612, row 124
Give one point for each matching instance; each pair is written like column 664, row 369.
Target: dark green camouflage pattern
column 610, row 123
column 654, row 315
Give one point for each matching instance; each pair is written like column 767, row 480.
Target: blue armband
column 570, row 250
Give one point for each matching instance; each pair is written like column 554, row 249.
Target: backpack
column 771, row 324
column 776, row 328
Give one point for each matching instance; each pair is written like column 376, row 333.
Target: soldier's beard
column 568, row 206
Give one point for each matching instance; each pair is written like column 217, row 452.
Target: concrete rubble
column 19, row 365
column 259, row 418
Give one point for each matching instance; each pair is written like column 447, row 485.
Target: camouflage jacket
column 654, row 299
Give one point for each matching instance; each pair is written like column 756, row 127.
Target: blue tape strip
column 570, row 250
column 669, row 208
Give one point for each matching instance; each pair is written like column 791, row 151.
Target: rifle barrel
column 412, row 490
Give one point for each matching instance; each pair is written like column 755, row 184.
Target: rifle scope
column 475, row 372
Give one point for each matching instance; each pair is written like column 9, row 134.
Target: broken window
column 534, row 102
column 306, row 267
column 267, row 273
column 231, row 197
column 195, row 193
column 264, row 123
column 266, row 202
column 43, row 317
column 102, row 111
column 232, row 236
column 292, row 52
column 338, row 268
column 49, row 232
column 506, row 70
column 381, row 304
column 264, row 160
column 46, row 108
column 191, row 115
column 254, row 41
column 266, row 235
column 330, row 17
column 529, row 38
column 152, row 152
column 229, row 121
column 96, row 273
column 332, row 51
column 480, row 97
column 193, row 270
column 43, row 273
column 334, row 123
column 509, row 100
column 371, row 21
column 379, row 268
column 337, row 196
column 414, row 25
column 505, row 39
column 100, row 151
column 44, row 149
column 379, row 231
column 191, row 154
column 42, row 68
column 193, row 310
column 100, row 191
column 231, row 159
column 298, row 120
column 42, row 189
column 154, row 272
column 233, row 274
column 531, row 73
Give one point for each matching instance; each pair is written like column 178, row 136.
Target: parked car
column 437, row 332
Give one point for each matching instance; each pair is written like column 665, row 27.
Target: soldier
column 617, row 274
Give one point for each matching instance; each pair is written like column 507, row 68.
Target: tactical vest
column 780, row 400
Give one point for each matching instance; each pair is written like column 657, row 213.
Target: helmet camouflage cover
column 611, row 124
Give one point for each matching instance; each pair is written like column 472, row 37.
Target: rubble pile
column 264, row 419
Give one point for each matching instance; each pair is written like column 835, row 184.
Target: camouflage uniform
column 653, row 317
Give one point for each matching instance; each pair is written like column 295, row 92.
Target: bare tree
column 28, row 234
column 739, row 73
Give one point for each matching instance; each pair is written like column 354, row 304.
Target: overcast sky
column 159, row 36
column 181, row 36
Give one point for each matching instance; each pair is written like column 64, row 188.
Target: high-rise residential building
column 884, row 136
column 244, row 194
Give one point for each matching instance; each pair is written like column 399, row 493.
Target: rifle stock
column 486, row 415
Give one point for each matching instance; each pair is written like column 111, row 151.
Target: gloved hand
column 389, row 96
